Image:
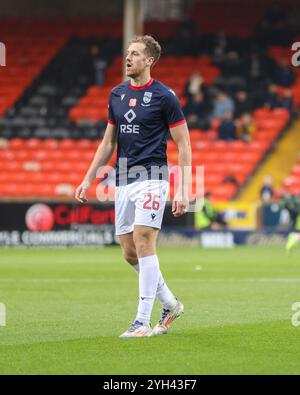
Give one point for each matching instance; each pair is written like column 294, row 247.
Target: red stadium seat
column 66, row 161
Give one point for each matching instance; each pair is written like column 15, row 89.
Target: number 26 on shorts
column 151, row 202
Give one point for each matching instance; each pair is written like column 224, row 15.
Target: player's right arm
column 102, row 156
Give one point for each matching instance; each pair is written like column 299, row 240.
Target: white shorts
column 140, row 203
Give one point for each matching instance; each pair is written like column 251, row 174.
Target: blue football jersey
column 143, row 116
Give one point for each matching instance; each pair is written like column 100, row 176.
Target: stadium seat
column 65, row 161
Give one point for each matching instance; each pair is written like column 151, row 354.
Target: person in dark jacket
column 227, row 128
column 242, row 103
column 284, row 75
column 196, row 112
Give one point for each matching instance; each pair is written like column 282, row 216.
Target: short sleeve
column 111, row 117
column 172, row 110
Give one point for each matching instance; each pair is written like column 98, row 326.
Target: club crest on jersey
column 132, row 102
column 147, row 97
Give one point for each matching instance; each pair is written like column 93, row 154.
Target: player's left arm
column 181, row 137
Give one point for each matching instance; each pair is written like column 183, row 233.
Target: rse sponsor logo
column 130, row 129
column 130, row 116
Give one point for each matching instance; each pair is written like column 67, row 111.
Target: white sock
column 136, row 267
column 148, row 282
column 163, row 293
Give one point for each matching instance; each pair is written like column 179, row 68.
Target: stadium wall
column 221, row 239
column 61, row 224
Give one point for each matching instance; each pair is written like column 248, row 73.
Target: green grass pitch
column 67, row 307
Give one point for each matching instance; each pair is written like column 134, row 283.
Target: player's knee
column 129, row 254
column 143, row 243
column 130, row 257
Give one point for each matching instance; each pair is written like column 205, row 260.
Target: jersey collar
column 138, row 88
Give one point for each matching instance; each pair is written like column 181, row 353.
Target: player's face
column 136, row 60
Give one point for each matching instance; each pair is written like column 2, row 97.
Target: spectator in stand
column 233, row 65
column 232, row 76
column 196, row 112
column 284, row 75
column 195, row 85
column 218, row 57
column 227, row 128
column 245, row 128
column 242, row 103
column 99, row 65
column 286, row 101
column 272, row 99
column 258, row 66
column 220, row 41
column 255, row 67
column 267, row 191
column 222, row 105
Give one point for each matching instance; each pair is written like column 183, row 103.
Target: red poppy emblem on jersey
column 132, row 102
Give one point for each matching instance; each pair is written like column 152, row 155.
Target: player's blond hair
column 152, row 49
